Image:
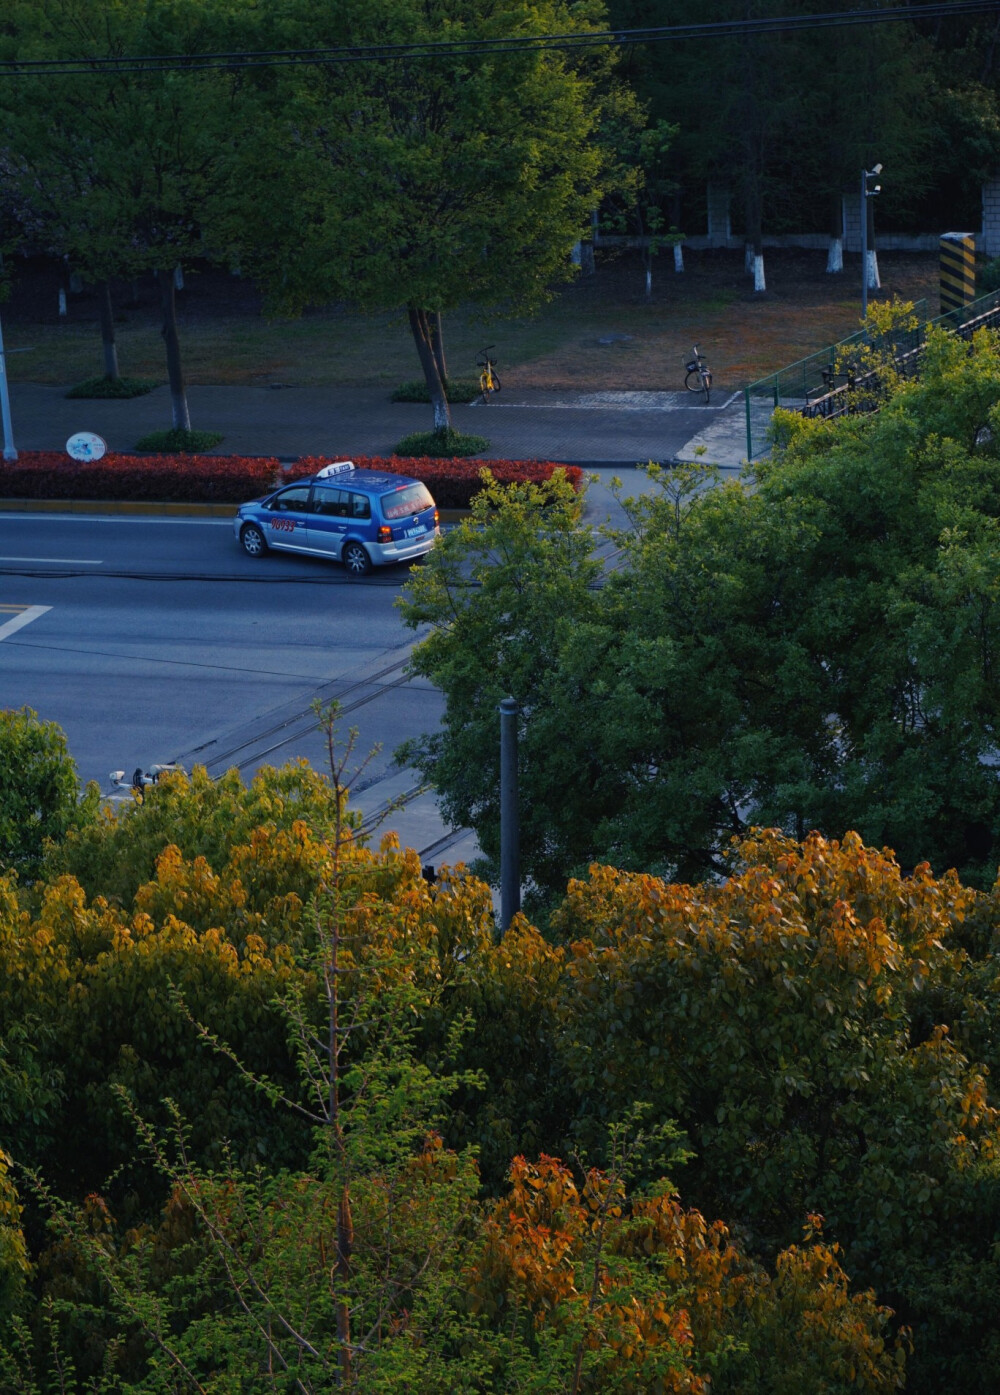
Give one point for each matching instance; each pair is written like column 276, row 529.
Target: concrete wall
column 720, row 229
column 989, row 239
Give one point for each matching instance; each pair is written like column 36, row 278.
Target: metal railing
column 836, row 381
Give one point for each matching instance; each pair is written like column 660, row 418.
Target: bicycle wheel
column 706, row 382
column 484, row 386
column 496, row 384
column 693, row 381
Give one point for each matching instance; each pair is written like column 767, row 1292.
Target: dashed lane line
column 20, row 615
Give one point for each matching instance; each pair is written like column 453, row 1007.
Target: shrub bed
column 452, row 482
column 168, row 479
column 232, row 479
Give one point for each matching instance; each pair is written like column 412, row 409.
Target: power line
column 460, row 48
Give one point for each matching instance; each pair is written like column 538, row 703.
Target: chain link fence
column 826, row 384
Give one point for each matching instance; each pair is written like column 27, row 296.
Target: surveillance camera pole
column 866, row 194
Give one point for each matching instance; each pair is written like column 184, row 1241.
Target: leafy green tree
column 794, row 1021
column 39, row 788
column 645, row 185
column 422, row 184
column 509, row 585
column 374, row 1268
column 117, row 169
column 812, row 649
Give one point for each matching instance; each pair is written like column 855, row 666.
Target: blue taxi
column 359, row 517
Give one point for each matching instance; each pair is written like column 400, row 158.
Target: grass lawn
column 596, row 333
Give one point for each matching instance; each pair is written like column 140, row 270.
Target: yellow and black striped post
column 958, row 270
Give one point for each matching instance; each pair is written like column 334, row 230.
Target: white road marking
column 619, row 402
column 18, row 622
column 62, row 561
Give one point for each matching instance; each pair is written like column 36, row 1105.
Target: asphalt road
column 155, row 639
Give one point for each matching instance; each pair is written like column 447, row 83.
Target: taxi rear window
column 406, row 502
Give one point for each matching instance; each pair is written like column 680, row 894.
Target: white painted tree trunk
column 748, row 258
column 649, row 283
column 759, row 284
column 178, row 277
column 871, row 271
column 62, row 303
column 678, row 257
column 835, row 255
column 576, row 255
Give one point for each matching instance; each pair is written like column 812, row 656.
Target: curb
column 115, row 506
column 149, row 508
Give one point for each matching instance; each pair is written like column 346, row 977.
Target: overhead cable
column 514, row 43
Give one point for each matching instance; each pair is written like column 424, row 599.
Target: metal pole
column 510, row 869
column 864, row 244
column 9, row 453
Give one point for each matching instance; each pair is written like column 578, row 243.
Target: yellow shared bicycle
column 489, row 381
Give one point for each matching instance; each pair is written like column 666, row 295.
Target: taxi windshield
column 413, row 498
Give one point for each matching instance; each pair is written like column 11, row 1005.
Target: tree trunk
column 108, row 330
column 420, row 325
column 345, row 1250
column 178, row 392
column 835, row 253
column 437, row 344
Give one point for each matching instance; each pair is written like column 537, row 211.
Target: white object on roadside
column 86, row 445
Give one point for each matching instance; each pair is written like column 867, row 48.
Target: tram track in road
column 290, row 727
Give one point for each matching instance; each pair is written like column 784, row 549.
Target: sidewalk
column 605, row 429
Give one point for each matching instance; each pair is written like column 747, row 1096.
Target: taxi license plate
column 415, row 532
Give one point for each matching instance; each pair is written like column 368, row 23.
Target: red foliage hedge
column 233, row 479
column 167, row 479
column 452, row 482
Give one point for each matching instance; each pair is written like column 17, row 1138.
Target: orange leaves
column 656, row 1298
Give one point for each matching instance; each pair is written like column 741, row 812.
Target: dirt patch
column 643, row 344
column 597, row 333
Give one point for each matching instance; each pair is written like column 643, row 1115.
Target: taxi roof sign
column 339, row 467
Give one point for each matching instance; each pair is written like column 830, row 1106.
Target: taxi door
column 338, row 514
column 288, row 519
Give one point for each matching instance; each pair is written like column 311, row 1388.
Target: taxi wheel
column 356, row 559
column 253, row 540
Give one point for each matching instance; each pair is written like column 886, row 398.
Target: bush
column 223, row 479
column 170, row 442
column 39, row 788
column 988, row 277
column 453, row 483
column 113, row 387
column 456, row 390
column 232, row 479
column 441, row 443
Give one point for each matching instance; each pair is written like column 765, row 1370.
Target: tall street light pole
column 866, row 194
column 9, row 453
